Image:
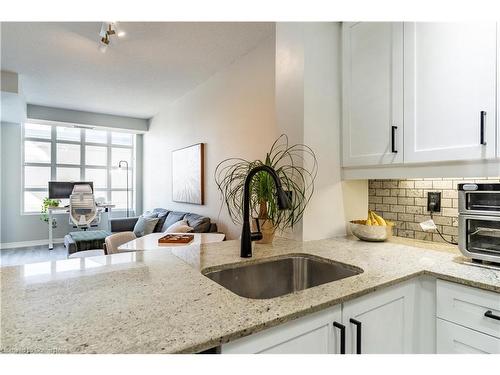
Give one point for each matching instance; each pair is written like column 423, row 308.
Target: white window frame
column 82, row 166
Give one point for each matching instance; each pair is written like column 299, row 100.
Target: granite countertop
column 159, row 302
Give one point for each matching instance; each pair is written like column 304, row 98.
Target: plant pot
column 267, row 229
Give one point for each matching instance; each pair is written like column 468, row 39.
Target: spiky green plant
column 296, row 167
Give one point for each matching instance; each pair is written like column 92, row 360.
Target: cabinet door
column 449, row 80
column 312, row 334
column 387, row 321
column 372, row 93
column 467, row 306
column 454, row 339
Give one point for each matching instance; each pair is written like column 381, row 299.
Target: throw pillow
column 172, row 217
column 179, row 227
column 200, row 224
column 145, row 225
column 150, row 214
column 162, row 216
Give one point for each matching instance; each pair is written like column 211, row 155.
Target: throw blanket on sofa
column 89, row 240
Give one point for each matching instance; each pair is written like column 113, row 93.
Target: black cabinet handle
column 489, row 314
column 483, row 130
column 393, row 139
column 342, row 336
column 357, row 323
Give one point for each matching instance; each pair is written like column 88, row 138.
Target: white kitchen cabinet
column 388, row 321
column 455, row 339
column 449, row 81
column 421, row 315
column 388, row 325
column 467, row 319
column 312, row 334
column 372, row 93
column 468, row 306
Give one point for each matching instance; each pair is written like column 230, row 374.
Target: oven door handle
column 488, row 230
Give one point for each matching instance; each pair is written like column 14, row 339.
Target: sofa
column 199, row 223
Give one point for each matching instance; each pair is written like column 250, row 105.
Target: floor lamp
column 124, row 164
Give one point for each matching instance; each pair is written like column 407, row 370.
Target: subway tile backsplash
column 405, row 203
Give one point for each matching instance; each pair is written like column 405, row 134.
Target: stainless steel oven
column 479, row 221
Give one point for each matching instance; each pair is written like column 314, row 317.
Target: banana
column 380, row 220
column 369, row 220
column 372, row 218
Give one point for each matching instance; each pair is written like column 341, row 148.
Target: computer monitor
column 63, row 189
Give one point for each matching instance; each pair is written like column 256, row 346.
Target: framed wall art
column 188, row 174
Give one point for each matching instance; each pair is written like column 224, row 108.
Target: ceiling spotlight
column 105, row 39
column 111, row 30
column 108, row 29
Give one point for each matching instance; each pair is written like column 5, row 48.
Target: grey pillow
column 160, row 212
column 200, row 224
column 162, row 216
column 145, row 225
column 172, row 217
column 150, row 214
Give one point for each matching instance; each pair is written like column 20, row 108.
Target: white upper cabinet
column 372, row 93
column 449, row 91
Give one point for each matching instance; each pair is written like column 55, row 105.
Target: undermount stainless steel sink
column 280, row 276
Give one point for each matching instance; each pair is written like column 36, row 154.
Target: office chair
column 83, row 211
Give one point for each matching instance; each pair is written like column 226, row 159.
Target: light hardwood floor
column 32, row 254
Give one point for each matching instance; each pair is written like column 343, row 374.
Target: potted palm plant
column 296, row 166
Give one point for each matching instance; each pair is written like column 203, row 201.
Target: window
column 96, row 155
column 96, row 136
column 68, row 153
column 37, row 152
column 58, row 153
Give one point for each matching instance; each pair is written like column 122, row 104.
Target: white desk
column 150, row 241
column 65, row 210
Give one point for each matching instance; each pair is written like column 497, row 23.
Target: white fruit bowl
column 372, row 233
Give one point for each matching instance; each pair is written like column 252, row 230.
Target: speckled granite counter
column 159, row 302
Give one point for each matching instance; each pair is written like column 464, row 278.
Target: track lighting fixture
column 108, row 29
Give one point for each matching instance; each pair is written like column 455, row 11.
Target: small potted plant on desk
column 44, row 215
column 296, row 167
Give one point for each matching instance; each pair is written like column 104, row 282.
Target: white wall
column 355, row 193
column 308, row 98
column 233, row 113
column 292, row 87
column 322, row 115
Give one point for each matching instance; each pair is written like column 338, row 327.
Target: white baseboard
column 13, row 245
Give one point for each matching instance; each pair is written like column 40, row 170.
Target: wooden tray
column 176, row 238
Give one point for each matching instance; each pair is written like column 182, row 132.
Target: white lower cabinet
column 312, row 334
column 422, row 315
column 384, row 320
column 468, row 319
column 454, row 339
